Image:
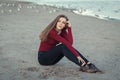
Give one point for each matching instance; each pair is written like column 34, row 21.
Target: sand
column 20, row 24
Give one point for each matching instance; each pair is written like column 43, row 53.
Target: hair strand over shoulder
column 44, row 34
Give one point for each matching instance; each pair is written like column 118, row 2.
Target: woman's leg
column 89, row 67
column 55, row 55
column 67, row 53
column 51, row 57
column 82, row 57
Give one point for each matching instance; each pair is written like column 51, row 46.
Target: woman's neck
column 59, row 31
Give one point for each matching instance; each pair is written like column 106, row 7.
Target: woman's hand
column 81, row 60
column 68, row 24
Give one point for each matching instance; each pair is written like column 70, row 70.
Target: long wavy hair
column 44, row 34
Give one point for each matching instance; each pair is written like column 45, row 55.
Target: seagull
column 10, row 10
column 2, row 11
column 18, row 9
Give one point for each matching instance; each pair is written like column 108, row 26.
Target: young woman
column 56, row 42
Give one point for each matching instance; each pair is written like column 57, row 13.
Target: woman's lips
column 60, row 26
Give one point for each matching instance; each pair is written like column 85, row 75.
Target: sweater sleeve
column 53, row 34
column 68, row 35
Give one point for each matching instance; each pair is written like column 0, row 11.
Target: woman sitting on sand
column 56, row 42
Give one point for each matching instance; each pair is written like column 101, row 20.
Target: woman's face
column 61, row 23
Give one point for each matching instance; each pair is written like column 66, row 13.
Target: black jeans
column 56, row 54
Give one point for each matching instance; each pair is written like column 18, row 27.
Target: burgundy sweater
column 54, row 38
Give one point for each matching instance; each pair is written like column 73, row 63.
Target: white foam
column 99, row 9
column 90, row 13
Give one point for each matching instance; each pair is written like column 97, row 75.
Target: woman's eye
column 64, row 22
column 59, row 21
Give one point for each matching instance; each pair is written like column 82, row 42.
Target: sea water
column 101, row 9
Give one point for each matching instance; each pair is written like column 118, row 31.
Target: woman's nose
column 61, row 23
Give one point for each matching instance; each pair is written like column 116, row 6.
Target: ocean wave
column 97, row 12
column 90, row 13
column 99, row 9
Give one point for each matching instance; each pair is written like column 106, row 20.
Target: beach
column 20, row 25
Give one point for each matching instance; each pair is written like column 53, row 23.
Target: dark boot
column 87, row 68
column 90, row 68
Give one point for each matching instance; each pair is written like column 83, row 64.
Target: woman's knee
column 62, row 46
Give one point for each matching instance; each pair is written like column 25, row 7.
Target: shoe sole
column 91, row 71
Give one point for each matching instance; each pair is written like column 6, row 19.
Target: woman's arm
column 68, row 35
column 53, row 34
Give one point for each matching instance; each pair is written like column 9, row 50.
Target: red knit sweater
column 54, row 38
